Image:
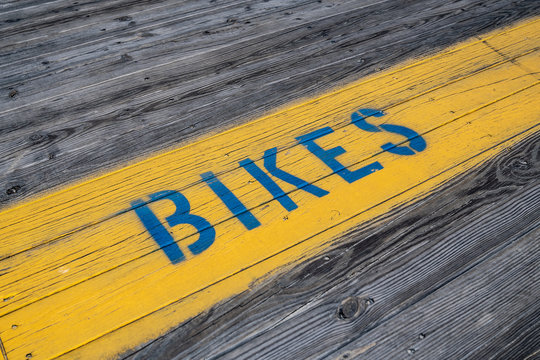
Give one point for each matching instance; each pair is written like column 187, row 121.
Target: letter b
column 162, row 237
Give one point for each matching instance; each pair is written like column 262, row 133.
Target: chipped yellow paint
column 83, row 278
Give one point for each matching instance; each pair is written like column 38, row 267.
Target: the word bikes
column 206, row 231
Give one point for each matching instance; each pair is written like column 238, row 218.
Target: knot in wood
column 13, row 190
column 38, row 138
column 520, row 164
column 522, row 167
column 351, row 307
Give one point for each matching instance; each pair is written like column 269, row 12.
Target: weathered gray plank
column 465, row 257
column 12, row 6
column 176, row 38
column 53, row 142
column 51, row 18
column 474, row 316
column 116, row 32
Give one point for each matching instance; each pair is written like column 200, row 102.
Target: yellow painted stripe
column 84, row 278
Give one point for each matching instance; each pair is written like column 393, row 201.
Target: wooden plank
column 98, row 264
column 471, row 305
column 69, row 137
column 39, row 19
column 451, row 276
column 151, row 34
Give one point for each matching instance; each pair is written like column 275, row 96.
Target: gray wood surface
column 90, row 85
column 453, row 276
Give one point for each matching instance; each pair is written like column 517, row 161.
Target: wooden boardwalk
column 270, row 179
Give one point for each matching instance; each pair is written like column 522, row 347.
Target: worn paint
column 85, row 266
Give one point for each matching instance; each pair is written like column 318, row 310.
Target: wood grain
column 499, row 330
column 87, row 123
column 475, row 65
column 89, row 86
column 84, row 259
column 452, row 276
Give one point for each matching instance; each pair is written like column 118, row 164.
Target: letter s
column 416, row 141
